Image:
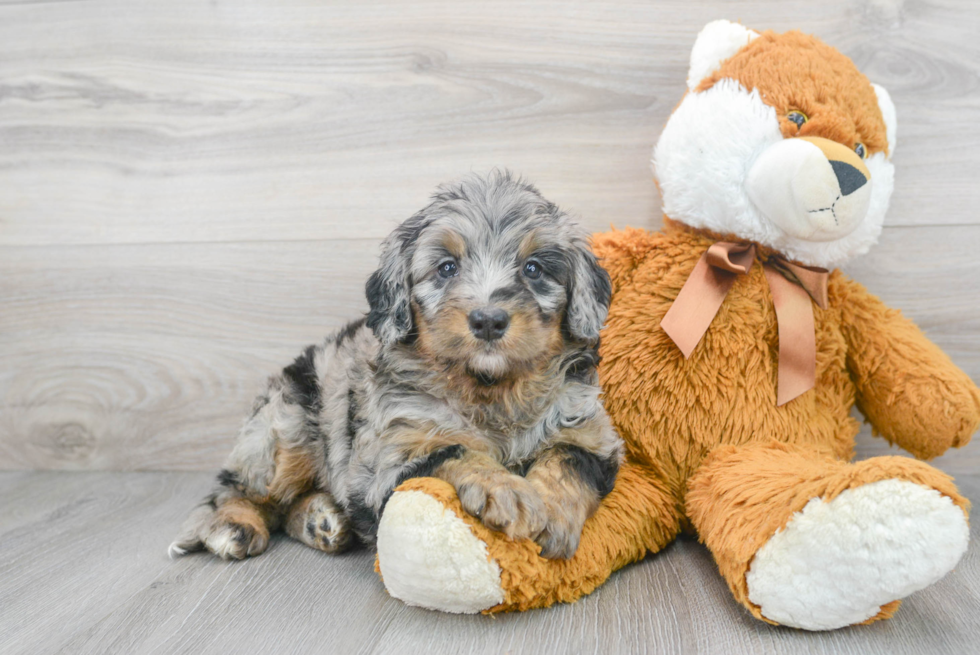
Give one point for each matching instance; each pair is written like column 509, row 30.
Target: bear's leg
column 811, row 542
column 432, row 554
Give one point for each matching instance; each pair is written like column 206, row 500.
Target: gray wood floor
column 191, row 191
column 83, row 569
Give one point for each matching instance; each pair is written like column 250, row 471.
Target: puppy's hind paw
column 235, row 531
column 190, row 539
column 179, row 549
column 319, row 523
column 237, row 540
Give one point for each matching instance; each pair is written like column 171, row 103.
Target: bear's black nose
column 489, row 323
column 849, row 178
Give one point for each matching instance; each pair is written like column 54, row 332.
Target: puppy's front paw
column 504, row 502
column 560, row 536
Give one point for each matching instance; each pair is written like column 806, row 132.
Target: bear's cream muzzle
column 811, row 188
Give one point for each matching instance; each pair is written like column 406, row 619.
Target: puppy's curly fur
column 476, row 364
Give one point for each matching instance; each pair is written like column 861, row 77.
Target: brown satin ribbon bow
column 791, row 286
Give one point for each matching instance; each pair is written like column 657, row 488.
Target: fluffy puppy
column 476, row 364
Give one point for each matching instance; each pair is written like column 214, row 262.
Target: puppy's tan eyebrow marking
column 529, row 244
column 453, row 243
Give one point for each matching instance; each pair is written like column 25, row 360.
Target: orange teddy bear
column 731, row 360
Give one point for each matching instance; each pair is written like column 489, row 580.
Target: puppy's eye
column 532, row 269
column 797, row 117
column 861, row 151
column 448, row 269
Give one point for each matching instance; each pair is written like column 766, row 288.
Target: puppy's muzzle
column 489, row 323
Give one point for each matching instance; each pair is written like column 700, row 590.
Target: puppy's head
column 490, row 279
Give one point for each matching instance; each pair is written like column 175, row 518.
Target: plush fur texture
column 717, row 42
column 719, row 131
column 738, row 496
column 741, row 496
column 425, row 537
column 638, row 512
column 707, row 447
column 819, row 573
column 513, row 422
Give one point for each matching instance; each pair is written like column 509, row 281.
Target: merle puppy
column 476, row 364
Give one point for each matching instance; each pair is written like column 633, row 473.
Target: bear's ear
column 718, row 41
column 887, row 108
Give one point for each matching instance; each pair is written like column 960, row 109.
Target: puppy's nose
column 489, row 323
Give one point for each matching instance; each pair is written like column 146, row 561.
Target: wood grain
column 128, row 123
column 148, row 356
column 84, row 570
column 188, row 196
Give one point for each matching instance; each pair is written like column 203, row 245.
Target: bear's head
column 780, row 140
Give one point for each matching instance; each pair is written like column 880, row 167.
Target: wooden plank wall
column 191, row 191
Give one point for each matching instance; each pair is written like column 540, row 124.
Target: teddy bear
column 732, row 355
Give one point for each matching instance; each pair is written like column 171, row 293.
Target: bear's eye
column 861, row 151
column 448, row 269
column 532, row 269
column 797, row 117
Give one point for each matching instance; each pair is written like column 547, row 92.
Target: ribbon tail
column 797, row 341
column 811, row 278
column 696, row 305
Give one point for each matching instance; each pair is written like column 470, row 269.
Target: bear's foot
column 848, row 560
column 432, row 554
column 429, row 557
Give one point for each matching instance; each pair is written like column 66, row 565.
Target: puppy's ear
column 389, row 288
column 589, row 294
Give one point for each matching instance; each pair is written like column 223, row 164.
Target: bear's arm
column 907, row 387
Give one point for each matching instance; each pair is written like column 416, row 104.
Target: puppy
column 476, row 364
